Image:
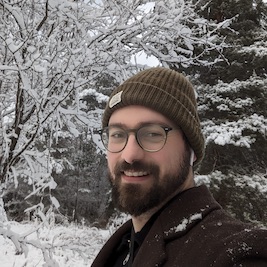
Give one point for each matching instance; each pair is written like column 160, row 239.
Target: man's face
column 143, row 180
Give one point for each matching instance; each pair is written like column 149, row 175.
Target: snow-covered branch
column 54, row 51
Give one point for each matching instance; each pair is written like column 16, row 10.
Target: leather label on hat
column 116, row 99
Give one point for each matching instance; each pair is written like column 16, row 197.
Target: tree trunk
column 3, row 217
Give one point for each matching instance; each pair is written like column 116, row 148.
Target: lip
column 135, row 176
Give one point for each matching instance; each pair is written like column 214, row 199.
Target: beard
column 137, row 199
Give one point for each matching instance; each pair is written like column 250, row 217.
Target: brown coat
column 194, row 231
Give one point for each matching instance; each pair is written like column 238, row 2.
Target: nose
column 132, row 151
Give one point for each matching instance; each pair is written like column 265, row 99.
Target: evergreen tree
column 248, row 28
column 233, row 104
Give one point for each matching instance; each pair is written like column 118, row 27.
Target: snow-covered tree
column 233, row 100
column 247, row 29
column 51, row 51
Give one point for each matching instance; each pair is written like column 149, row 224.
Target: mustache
column 135, row 166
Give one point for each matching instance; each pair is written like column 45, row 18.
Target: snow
column 255, row 181
column 184, row 223
column 68, row 246
column 231, row 132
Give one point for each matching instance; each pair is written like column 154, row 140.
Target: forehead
column 133, row 116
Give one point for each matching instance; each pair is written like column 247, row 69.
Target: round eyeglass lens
column 151, row 137
column 114, row 138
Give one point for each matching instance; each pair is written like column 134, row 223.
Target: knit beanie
column 167, row 92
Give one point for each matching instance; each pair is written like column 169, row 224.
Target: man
column 153, row 137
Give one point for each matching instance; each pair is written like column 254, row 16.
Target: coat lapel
column 152, row 251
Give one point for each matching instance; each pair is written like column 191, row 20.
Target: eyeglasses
column 151, row 137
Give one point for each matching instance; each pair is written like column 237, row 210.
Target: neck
column 140, row 221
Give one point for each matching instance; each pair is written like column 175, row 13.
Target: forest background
column 59, row 61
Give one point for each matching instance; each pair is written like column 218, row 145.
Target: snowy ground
column 54, row 246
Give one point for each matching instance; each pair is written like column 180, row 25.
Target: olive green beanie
column 167, row 92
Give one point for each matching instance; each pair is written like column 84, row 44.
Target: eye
column 117, row 134
column 152, row 133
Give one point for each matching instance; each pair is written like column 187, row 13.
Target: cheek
column 162, row 160
column 171, row 158
column 112, row 160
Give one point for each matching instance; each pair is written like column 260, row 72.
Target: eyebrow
column 141, row 124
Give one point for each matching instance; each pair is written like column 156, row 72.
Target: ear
column 192, row 157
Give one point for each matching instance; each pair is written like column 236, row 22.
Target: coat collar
column 177, row 218
column 186, row 210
